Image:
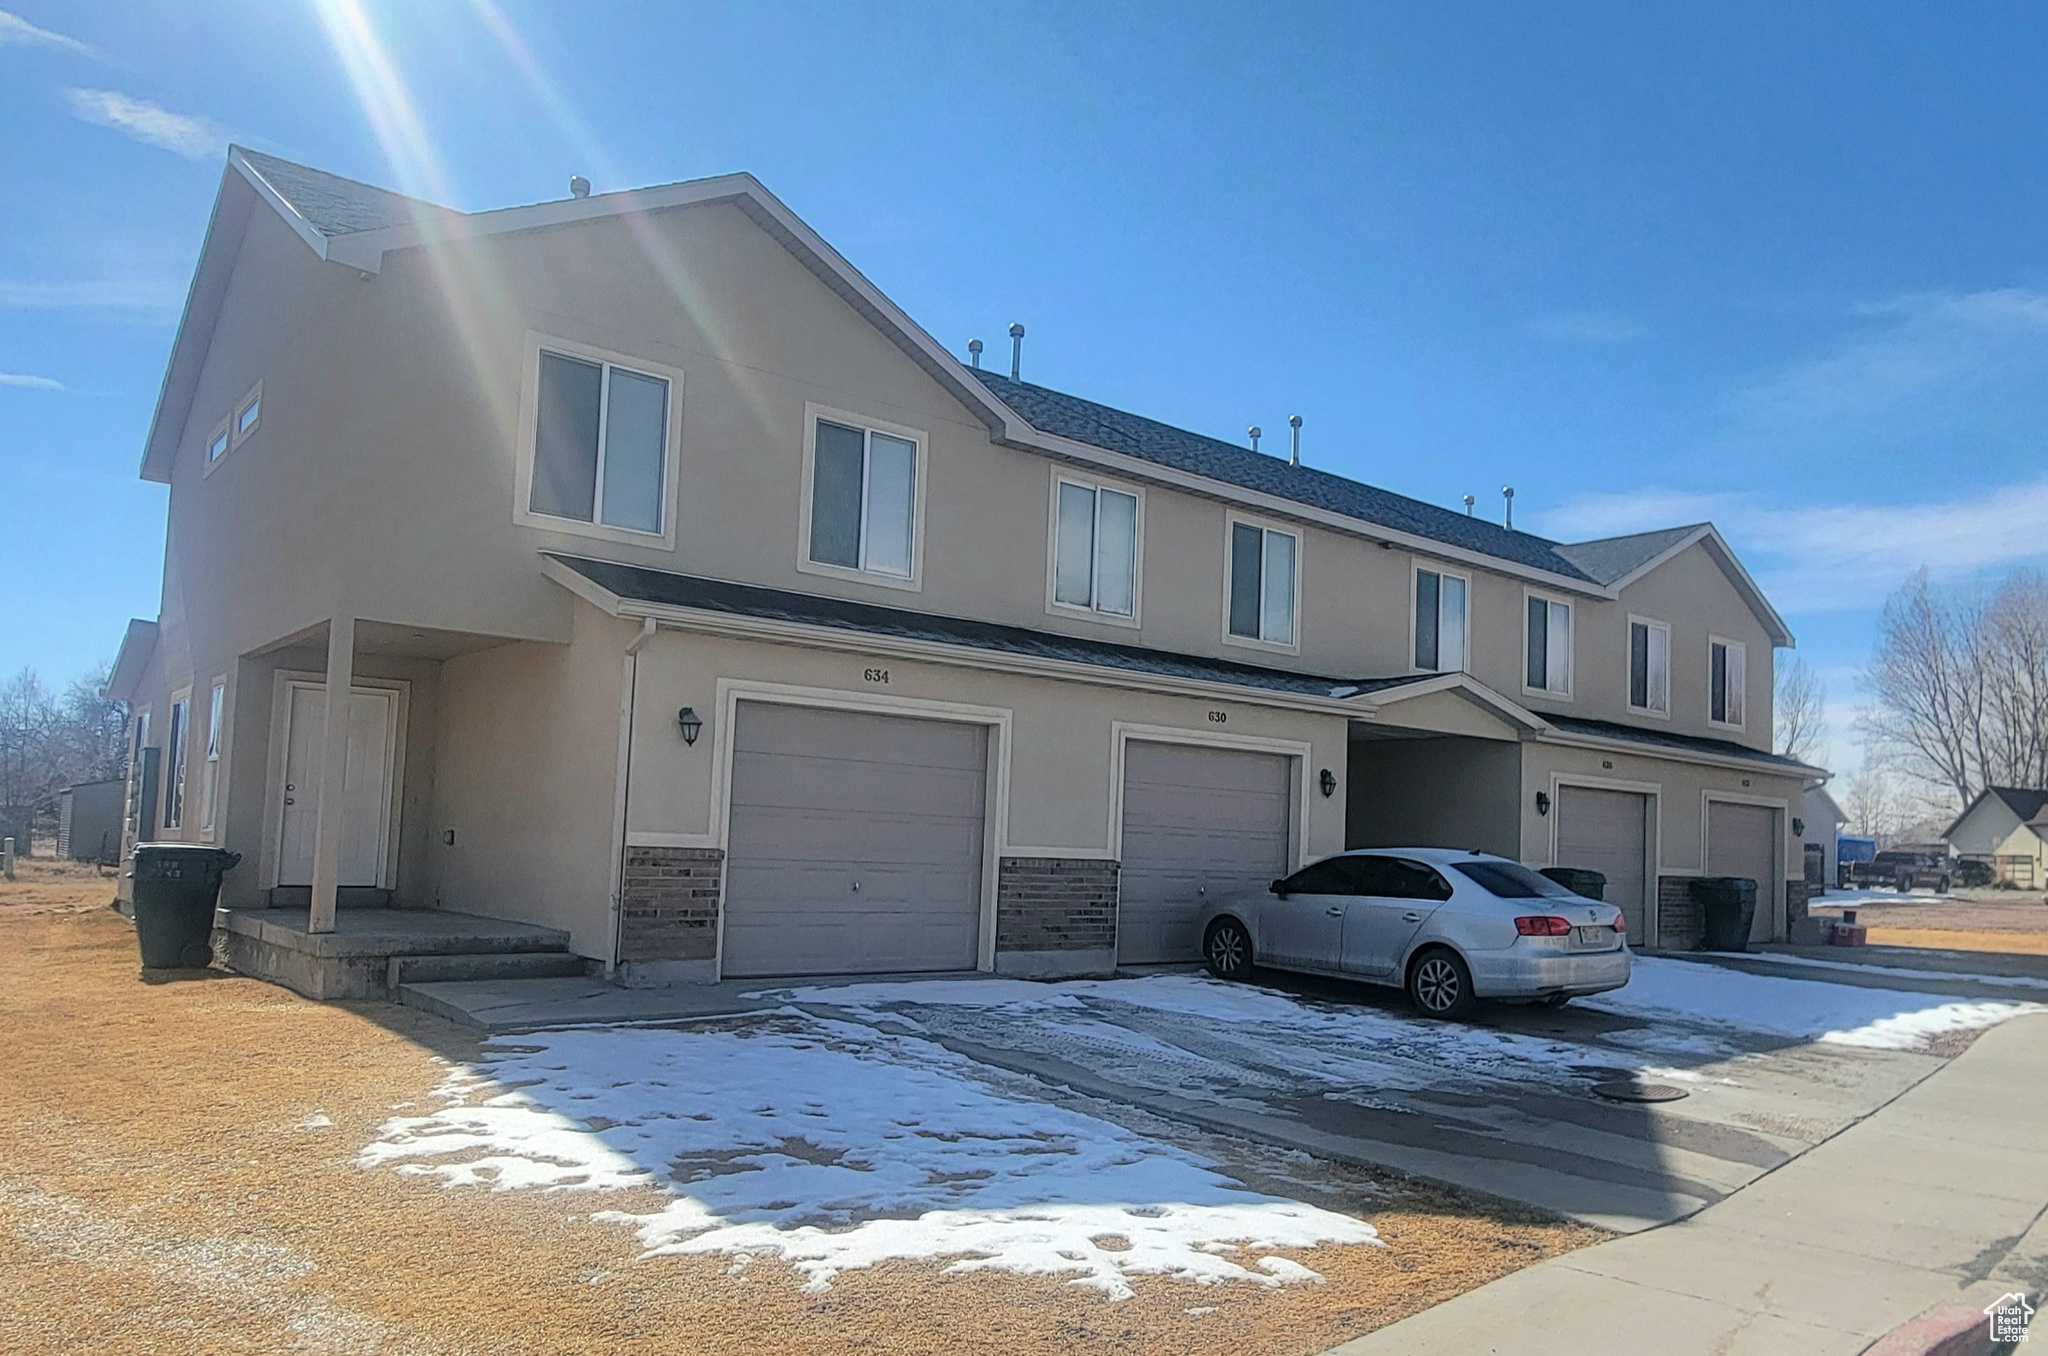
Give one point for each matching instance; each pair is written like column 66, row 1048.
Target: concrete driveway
column 1769, row 1064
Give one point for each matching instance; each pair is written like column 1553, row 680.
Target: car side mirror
column 1279, row 887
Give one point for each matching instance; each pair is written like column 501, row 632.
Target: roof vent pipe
column 1294, row 457
column 1256, row 433
column 579, row 187
column 1507, row 494
column 1469, row 502
column 974, row 352
column 1016, row 351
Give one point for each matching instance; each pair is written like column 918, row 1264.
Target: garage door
column 1742, row 841
column 1197, row 822
column 855, row 843
column 1608, row 832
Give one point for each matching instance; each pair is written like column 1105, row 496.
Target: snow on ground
column 1903, row 972
column 835, row 1145
column 1804, row 1009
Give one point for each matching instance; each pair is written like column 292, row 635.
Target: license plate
column 1592, row 939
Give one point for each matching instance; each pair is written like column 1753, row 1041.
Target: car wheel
column 1440, row 985
column 1227, row 950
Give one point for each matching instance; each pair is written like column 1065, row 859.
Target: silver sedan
column 1450, row 927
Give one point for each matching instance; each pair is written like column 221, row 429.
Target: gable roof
column 356, row 224
column 2028, row 804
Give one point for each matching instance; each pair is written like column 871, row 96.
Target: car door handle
column 1411, row 918
column 1334, row 913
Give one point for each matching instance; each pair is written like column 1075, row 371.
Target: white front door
column 366, row 783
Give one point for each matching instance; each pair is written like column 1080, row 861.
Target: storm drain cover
column 1628, row 1090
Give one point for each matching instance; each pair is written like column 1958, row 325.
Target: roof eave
column 138, row 643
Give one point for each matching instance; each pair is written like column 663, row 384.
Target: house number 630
column 1219, row 717
column 875, row 675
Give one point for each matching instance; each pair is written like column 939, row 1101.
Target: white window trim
column 1414, row 590
column 1571, row 656
column 1627, row 674
column 920, row 492
column 176, row 766
column 213, row 773
column 1738, row 653
column 1053, row 606
column 1231, row 519
column 529, row 427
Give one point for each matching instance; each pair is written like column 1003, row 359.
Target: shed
column 89, row 821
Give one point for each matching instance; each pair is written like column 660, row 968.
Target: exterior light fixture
column 1542, row 802
column 1328, row 781
column 1798, row 827
column 692, row 724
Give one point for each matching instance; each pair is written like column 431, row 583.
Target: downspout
column 628, row 692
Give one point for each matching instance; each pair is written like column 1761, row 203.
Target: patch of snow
column 834, row 1145
column 1901, row 971
column 1802, row 1009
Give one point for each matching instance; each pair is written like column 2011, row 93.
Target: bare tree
column 1800, row 711
column 1872, row 802
column 1960, row 682
column 49, row 742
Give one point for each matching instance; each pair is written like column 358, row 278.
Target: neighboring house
column 1822, row 827
column 690, row 598
column 2006, row 827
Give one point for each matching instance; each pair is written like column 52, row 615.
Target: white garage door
column 1608, row 832
column 1742, row 841
column 1197, row 822
column 855, row 843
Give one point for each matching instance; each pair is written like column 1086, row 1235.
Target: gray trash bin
column 1578, row 880
column 1728, row 906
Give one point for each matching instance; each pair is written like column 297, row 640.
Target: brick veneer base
column 1680, row 923
column 669, row 904
column 1798, row 896
column 1055, row 904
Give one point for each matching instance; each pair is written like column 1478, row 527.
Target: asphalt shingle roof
column 2025, row 802
column 645, row 585
column 336, row 206
column 1085, row 421
column 1726, row 748
column 1610, row 558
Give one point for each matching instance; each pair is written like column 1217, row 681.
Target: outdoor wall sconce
column 1542, row 802
column 1328, row 781
column 1798, row 827
column 692, row 724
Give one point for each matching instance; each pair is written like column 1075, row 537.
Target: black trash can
column 1728, row 907
column 176, row 885
column 1578, row 880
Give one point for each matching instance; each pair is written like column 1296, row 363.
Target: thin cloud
column 16, row 31
column 192, row 137
column 22, row 381
column 1819, row 558
column 94, row 294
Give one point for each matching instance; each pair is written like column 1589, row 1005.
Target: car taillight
column 1620, row 923
column 1543, row 925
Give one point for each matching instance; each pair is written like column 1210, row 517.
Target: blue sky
column 1775, row 266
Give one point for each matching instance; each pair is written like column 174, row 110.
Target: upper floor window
column 1649, row 667
column 1548, row 651
column 174, row 755
column 600, row 444
column 1262, row 583
column 216, row 444
column 863, row 499
column 1095, row 548
column 249, row 414
column 1439, row 621
column 1725, row 673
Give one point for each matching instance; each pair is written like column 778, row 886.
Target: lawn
column 216, row 1165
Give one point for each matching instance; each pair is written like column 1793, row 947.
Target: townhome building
column 689, row 598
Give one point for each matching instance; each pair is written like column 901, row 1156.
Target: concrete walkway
column 1938, row 1198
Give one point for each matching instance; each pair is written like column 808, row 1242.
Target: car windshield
column 1512, row 880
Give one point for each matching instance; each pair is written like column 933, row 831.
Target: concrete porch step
column 421, row 969
column 531, row 1004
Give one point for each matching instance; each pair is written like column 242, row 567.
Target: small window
column 1649, row 667
column 1725, row 675
column 1095, row 551
column 1262, row 580
column 217, row 445
column 248, row 417
column 1439, row 622
column 863, row 499
column 210, row 779
column 1549, row 648
column 174, row 775
column 600, row 450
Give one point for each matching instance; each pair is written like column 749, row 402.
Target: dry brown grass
column 159, row 1193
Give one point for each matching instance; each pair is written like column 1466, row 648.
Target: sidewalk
column 1937, row 1198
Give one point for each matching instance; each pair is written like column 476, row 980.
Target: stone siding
column 1680, row 921
column 1055, row 904
column 669, row 904
column 1798, row 895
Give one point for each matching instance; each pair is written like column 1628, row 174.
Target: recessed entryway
column 368, row 782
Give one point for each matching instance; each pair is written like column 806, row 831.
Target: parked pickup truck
column 1903, row 871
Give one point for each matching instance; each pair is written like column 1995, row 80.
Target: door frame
column 1782, row 807
column 281, row 685
column 1653, row 834
column 995, row 806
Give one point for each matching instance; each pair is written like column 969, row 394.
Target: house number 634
column 875, row 675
